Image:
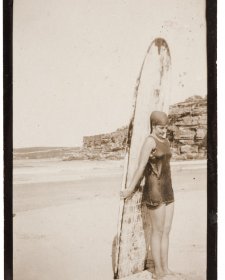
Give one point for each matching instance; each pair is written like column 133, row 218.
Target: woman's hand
column 127, row 193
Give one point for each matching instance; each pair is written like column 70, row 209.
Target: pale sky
column 76, row 63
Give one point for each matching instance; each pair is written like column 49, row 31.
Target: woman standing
column 154, row 164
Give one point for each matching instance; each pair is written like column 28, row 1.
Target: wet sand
column 66, row 218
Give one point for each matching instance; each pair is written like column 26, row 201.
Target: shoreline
column 173, row 161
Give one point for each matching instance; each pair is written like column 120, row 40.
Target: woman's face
column 160, row 130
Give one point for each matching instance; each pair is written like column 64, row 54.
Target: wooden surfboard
column 152, row 93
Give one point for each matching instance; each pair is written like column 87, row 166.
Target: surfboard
column 152, row 92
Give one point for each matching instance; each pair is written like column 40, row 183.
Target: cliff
column 186, row 131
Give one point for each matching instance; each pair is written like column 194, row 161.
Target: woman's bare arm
column 146, row 150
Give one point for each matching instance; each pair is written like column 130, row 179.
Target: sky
column 75, row 63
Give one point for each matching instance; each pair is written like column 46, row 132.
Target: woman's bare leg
column 165, row 237
column 157, row 220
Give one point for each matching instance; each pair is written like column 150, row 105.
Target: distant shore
column 80, row 153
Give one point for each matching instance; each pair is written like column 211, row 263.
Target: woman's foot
column 173, row 274
column 158, row 275
column 169, row 272
column 149, row 265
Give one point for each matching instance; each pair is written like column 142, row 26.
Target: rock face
column 106, row 146
column 186, row 131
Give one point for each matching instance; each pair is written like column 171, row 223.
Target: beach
column 66, row 214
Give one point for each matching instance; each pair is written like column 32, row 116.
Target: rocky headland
column 187, row 132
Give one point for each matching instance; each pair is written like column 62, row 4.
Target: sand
column 66, row 218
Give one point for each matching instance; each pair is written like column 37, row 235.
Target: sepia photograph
column 110, row 137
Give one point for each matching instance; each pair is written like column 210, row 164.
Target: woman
column 154, row 164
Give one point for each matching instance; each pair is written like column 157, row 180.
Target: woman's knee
column 166, row 229
column 158, row 230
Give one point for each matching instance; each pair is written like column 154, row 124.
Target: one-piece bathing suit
column 158, row 184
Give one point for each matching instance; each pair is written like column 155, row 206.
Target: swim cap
column 158, row 118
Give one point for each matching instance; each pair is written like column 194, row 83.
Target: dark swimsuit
column 158, row 185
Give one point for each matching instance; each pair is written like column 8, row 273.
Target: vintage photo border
column 8, row 135
column 211, row 23
column 211, row 18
